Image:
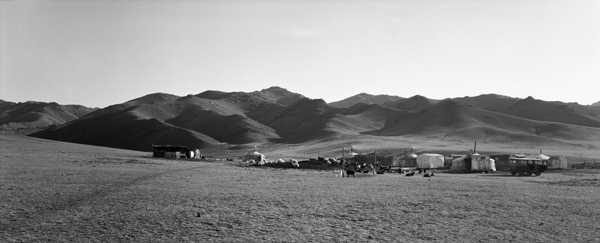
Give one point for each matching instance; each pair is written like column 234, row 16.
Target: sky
column 100, row 53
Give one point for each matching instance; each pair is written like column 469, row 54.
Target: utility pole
column 375, row 155
column 343, row 161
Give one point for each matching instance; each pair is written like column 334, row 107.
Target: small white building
column 430, row 161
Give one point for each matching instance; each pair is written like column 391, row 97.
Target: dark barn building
column 163, row 150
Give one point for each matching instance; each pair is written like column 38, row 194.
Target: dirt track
column 54, row 191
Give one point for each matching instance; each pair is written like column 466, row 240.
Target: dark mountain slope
column 539, row 110
column 416, row 103
column 589, row 110
column 364, row 98
column 153, row 98
column 452, row 119
column 260, row 105
column 125, row 129
column 223, row 119
column 363, row 118
column 304, row 120
column 234, row 129
column 32, row 116
column 490, row 102
column 279, row 95
column 248, row 102
column 278, row 115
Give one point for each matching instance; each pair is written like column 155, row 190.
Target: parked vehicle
column 527, row 165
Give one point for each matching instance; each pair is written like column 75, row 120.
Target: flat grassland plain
column 53, row 191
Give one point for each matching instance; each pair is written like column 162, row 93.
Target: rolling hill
column 530, row 108
column 364, row 98
column 490, row 102
column 31, row 116
column 452, row 119
column 540, row 110
column 416, row 103
column 276, row 115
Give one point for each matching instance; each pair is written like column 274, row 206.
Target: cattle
column 410, row 174
column 350, row 170
column 428, row 174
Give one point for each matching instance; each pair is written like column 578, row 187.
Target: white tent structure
column 406, row 161
column 430, row 161
column 557, row 162
column 255, row 156
column 473, row 163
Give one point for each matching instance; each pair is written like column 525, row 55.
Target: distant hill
column 490, row 102
column 364, row 118
column 540, row 110
column 32, row 116
column 530, row 108
column 364, row 98
column 306, row 119
column 276, row 115
column 416, row 103
column 596, row 104
column 203, row 120
column 452, row 119
column 279, row 95
column 124, row 129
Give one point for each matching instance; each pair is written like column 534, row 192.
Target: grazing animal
column 295, row 163
column 410, row 174
column 350, row 172
column 427, row 175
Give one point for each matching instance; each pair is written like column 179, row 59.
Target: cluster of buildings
column 472, row 162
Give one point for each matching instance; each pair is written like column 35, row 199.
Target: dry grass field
column 53, row 191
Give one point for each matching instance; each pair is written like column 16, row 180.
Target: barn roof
column 171, row 147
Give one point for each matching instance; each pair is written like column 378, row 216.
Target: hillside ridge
column 276, row 115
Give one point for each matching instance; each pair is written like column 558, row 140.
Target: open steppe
column 55, row 191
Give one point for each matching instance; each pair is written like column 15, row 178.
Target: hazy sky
column 99, row 53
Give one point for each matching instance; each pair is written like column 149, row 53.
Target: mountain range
column 276, row 115
column 31, row 116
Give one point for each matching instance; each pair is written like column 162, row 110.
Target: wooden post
column 343, row 161
column 375, row 154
